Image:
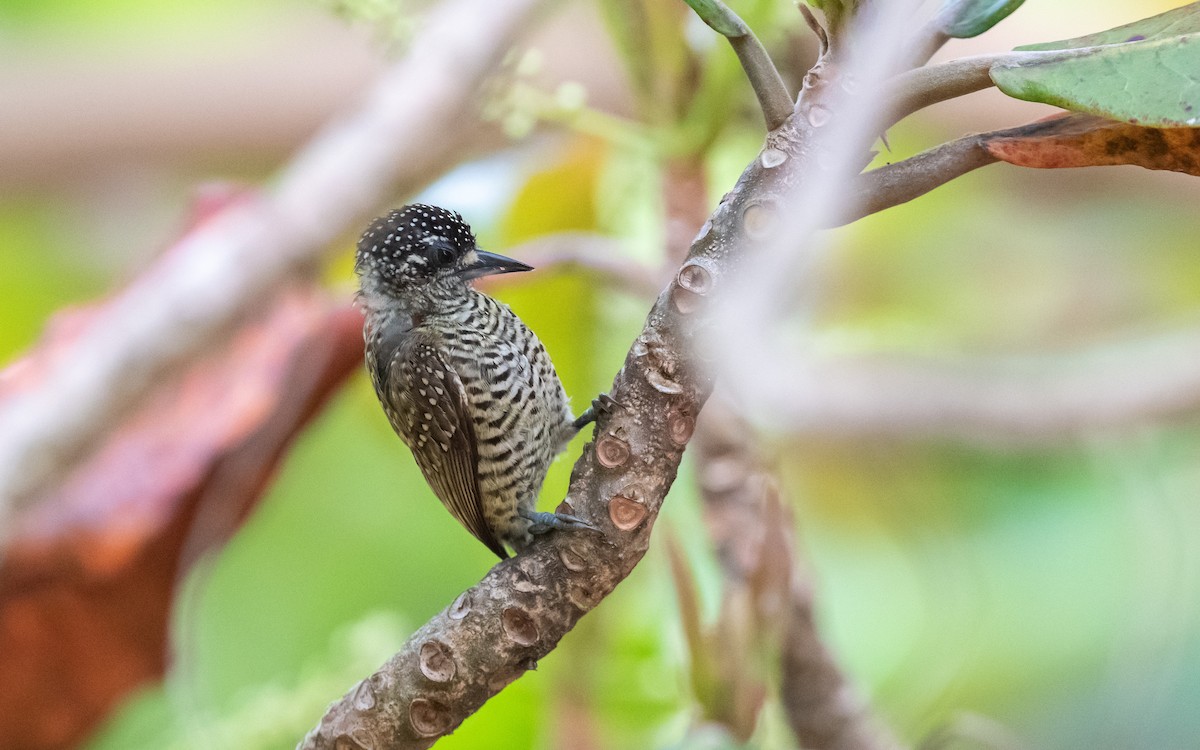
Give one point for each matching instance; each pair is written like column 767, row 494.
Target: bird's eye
column 440, row 254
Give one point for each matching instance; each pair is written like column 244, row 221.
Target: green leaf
column 1154, row 83
column 968, row 18
column 719, row 17
column 1185, row 20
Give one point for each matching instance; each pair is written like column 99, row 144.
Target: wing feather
column 433, row 417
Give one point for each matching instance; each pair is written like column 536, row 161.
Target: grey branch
column 593, row 253
column 917, row 89
column 824, row 710
column 416, row 120
column 891, row 185
column 1004, row 403
column 773, row 96
column 815, row 27
column 921, row 87
column 932, row 36
column 929, row 40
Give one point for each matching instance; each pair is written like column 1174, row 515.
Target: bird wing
column 432, row 414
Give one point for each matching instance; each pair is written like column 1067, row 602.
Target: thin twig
column 823, row 708
column 957, row 19
column 929, row 40
column 773, row 96
column 891, row 185
column 412, row 123
column 917, row 89
column 589, row 252
column 817, row 29
column 932, row 36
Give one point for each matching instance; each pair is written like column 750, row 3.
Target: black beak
column 487, row 264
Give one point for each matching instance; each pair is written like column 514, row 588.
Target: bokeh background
column 1044, row 593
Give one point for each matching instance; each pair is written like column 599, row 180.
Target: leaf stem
column 917, row 89
column 898, row 183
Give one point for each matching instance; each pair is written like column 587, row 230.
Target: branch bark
column 891, row 185
column 922, row 87
column 412, row 123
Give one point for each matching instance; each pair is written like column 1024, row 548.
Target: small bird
column 463, row 381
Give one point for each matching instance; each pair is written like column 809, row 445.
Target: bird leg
column 602, row 405
column 541, row 522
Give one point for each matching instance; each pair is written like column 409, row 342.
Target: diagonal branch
column 413, row 122
column 931, row 38
column 816, row 28
column 773, row 96
column 959, row 19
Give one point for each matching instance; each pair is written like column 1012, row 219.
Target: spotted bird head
column 421, row 254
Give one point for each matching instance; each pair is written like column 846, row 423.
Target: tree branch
column 891, row 185
column 815, row 27
column 921, row 87
column 773, row 96
column 1006, row 403
column 589, row 252
column 413, row 122
column 823, row 708
column 917, row 89
column 931, row 38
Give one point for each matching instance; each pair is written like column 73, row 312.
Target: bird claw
column 541, row 522
column 606, row 404
column 602, row 405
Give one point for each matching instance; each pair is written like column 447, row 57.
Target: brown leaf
column 90, row 569
column 1078, row 140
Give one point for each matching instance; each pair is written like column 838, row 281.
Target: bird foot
column 541, row 522
column 602, row 405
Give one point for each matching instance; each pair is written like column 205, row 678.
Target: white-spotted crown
column 411, row 245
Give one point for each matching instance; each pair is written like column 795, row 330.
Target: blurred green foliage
column 1051, row 588
column 40, row 273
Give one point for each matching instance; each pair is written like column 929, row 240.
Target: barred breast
column 520, row 412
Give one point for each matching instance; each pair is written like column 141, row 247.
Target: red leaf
column 90, row 569
column 1077, row 140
